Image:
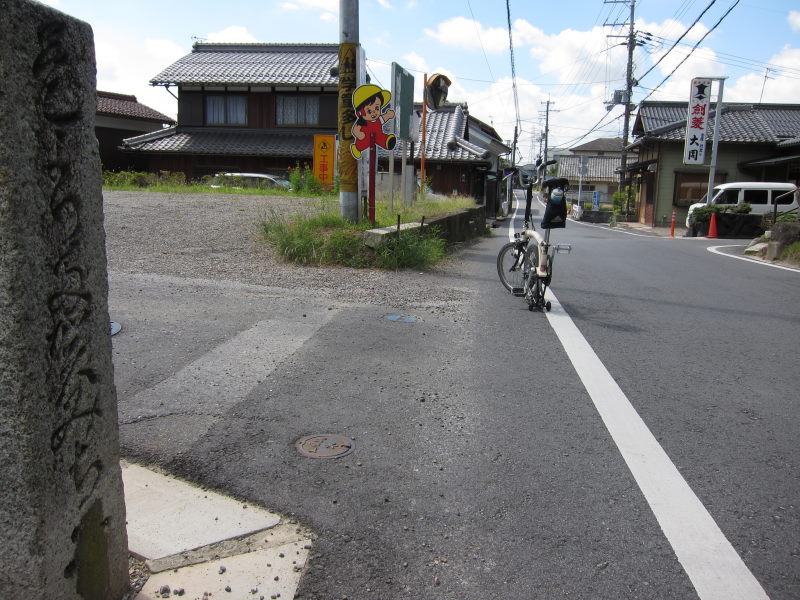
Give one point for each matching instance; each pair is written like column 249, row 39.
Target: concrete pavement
column 199, row 544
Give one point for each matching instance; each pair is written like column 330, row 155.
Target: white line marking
column 715, row 250
column 618, row 230
column 713, row 566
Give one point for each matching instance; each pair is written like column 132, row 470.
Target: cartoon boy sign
column 370, row 102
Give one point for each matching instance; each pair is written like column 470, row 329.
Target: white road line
column 713, row 566
column 715, row 250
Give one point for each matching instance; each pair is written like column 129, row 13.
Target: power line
column 692, row 50
column 684, row 34
column 480, row 41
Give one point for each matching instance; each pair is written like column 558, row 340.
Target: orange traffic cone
column 712, row 227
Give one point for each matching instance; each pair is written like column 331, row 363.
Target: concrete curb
column 199, row 544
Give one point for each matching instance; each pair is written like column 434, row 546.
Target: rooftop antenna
column 763, row 85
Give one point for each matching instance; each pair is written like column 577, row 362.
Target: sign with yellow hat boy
column 371, row 106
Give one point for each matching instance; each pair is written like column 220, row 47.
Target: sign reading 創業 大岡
column 694, row 151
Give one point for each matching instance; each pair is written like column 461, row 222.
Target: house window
column 226, row 110
column 297, row 110
column 691, row 187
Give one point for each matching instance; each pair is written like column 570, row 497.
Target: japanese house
column 244, row 108
column 120, row 116
column 757, row 142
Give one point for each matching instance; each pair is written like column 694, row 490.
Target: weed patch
column 328, row 239
column 791, row 253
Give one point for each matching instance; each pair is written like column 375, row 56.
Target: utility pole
column 348, row 81
column 546, row 133
column 629, row 83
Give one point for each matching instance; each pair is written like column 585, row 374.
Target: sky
column 568, row 57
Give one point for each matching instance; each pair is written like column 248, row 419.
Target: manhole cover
column 325, row 445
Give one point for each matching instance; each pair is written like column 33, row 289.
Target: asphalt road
column 482, row 465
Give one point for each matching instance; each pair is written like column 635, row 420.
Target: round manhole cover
column 324, row 445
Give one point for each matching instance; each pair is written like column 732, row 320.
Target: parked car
column 250, row 180
column 762, row 196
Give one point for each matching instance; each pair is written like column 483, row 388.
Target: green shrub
column 702, row 214
column 412, row 249
column 331, row 240
column 346, row 247
column 304, row 182
column 791, row 253
column 788, row 217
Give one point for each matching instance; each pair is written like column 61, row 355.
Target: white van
column 762, row 196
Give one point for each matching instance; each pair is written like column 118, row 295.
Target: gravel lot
column 217, row 236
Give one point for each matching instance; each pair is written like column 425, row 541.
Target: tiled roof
column 447, row 132
column 202, row 140
column 123, row 105
column 600, row 145
column 596, row 168
column 254, row 64
column 741, row 123
column 446, row 141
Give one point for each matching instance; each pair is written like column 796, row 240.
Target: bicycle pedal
column 518, row 291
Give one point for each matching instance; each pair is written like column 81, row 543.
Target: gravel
column 217, row 237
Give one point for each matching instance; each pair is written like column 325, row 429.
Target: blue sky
column 562, row 50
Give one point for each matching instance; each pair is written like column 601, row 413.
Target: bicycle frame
column 536, row 284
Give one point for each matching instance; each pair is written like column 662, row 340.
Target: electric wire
column 684, row 34
column 480, row 41
column 692, row 50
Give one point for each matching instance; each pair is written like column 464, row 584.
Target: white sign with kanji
column 694, row 151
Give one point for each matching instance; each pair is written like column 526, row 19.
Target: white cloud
column 328, row 17
column 415, row 61
column 331, row 6
column 53, row 3
column 384, row 3
column 777, row 88
column 794, row 19
column 233, row 33
column 466, row 33
column 126, row 66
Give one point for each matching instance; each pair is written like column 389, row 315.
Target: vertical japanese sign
column 348, row 77
column 694, row 151
column 324, row 158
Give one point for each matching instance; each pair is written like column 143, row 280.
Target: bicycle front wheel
column 510, row 261
column 534, row 288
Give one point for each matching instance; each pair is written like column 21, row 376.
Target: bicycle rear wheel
column 511, row 266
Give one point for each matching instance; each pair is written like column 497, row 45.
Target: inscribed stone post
column 62, row 511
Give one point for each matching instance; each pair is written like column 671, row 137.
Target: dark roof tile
column 741, row 122
column 254, row 64
column 216, row 141
column 126, row 106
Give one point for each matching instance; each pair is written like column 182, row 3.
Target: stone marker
column 62, row 511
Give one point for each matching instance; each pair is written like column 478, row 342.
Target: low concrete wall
column 597, row 216
column 455, row 227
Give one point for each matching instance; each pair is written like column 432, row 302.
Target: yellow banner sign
column 348, row 169
column 324, row 158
